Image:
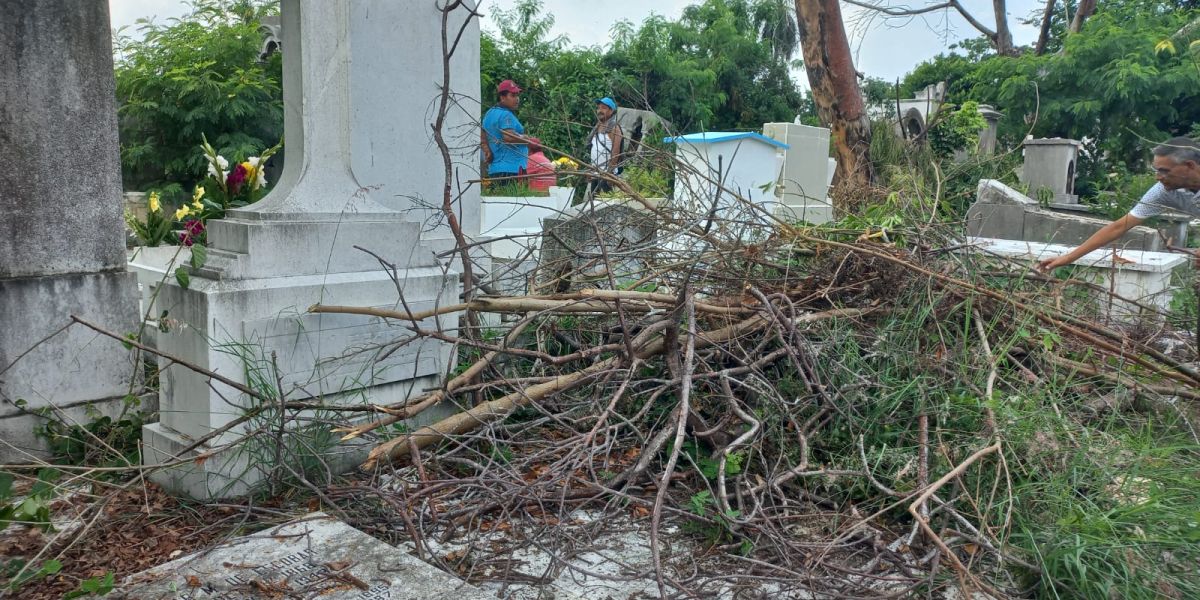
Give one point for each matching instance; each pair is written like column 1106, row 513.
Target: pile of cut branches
column 856, row 412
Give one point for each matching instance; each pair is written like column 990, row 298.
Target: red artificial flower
column 236, row 178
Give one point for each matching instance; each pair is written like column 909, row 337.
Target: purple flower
column 194, row 227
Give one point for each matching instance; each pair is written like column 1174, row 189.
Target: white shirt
column 1158, row 200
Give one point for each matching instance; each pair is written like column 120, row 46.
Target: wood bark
column 835, row 91
column 1084, row 10
column 1044, row 34
column 1003, row 40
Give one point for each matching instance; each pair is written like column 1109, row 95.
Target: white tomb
column 361, row 170
column 1138, row 275
column 744, row 162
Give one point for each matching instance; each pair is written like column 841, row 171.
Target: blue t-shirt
column 506, row 158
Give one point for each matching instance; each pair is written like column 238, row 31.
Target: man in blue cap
column 606, row 141
column 505, row 149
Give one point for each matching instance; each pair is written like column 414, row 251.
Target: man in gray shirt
column 1177, row 168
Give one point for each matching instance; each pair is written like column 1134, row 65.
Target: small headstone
column 1050, row 165
column 315, row 557
column 575, row 246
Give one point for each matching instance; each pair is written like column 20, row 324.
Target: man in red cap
column 505, row 149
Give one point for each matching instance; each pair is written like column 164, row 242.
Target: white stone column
column 62, row 248
column 271, row 261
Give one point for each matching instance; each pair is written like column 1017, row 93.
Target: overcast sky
column 886, row 49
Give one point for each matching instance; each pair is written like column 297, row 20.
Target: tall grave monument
column 361, row 81
column 62, row 247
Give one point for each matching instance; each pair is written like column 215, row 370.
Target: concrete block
column 229, row 471
column 1143, row 276
column 75, row 367
column 1003, row 221
column 232, row 328
column 990, row 191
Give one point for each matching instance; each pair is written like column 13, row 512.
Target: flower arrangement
column 224, row 187
column 243, row 184
column 157, row 227
column 564, row 163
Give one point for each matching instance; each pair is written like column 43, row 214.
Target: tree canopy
column 1126, row 81
column 724, row 64
column 193, row 76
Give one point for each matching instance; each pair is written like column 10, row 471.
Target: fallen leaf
column 193, row 581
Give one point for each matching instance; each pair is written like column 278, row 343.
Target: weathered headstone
column 314, row 557
column 361, row 170
column 1050, row 165
column 803, row 188
column 62, row 242
column 591, row 245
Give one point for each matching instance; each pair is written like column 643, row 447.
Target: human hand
column 1048, row 265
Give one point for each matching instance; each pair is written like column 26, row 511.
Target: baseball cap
column 508, row 86
column 607, row 102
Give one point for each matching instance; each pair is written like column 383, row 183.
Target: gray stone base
column 74, row 368
column 208, row 473
column 314, row 557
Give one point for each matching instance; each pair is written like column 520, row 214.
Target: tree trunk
column 1003, row 40
column 1082, row 12
column 1044, row 35
column 835, row 91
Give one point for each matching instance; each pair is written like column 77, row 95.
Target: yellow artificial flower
column 182, row 212
column 155, row 205
column 196, row 196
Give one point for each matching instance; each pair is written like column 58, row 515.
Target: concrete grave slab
column 1134, row 274
column 314, row 557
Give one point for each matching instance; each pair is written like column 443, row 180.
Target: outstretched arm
column 483, row 145
column 1108, row 234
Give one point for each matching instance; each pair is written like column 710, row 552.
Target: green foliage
column 198, row 75
column 648, row 182
column 34, row 508
column 511, row 189
column 93, row 586
column 102, row 441
column 1113, row 85
column 21, row 575
column 955, row 129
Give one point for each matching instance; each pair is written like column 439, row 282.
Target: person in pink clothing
column 539, row 169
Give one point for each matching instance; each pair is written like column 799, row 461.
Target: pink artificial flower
column 185, row 238
column 194, row 227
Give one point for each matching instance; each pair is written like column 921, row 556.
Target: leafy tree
column 722, row 65
column 1115, row 85
column 197, row 75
